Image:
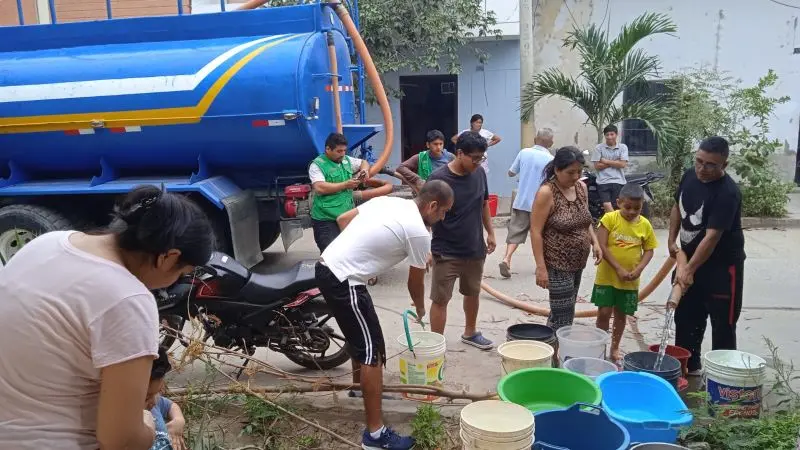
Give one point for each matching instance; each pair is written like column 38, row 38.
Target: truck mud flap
column 291, row 230
column 242, row 212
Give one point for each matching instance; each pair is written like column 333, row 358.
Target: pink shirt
column 66, row 314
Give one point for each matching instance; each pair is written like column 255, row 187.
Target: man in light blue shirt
column 529, row 165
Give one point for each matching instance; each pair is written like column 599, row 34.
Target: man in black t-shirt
column 458, row 245
column 707, row 219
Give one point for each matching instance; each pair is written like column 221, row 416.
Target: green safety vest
column 424, row 167
column 329, row 207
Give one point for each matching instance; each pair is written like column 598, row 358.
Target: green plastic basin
column 544, row 389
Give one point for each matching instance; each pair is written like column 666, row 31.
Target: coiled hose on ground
column 541, row 311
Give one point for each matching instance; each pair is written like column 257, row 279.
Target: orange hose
column 377, row 86
column 337, row 102
column 542, row 311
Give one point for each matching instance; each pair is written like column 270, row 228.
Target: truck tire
column 20, row 224
column 268, row 233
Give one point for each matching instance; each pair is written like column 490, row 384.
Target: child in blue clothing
column 167, row 416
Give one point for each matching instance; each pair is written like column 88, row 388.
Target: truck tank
column 229, row 108
column 235, row 94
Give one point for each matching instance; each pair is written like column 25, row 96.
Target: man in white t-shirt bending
column 376, row 236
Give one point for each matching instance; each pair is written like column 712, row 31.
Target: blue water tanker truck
column 229, row 108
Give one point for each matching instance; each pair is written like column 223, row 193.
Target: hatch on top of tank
column 259, row 22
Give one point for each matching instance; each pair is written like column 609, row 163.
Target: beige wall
column 80, row 10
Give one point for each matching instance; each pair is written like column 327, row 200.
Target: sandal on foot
column 478, row 341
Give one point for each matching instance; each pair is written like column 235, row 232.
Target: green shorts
column 624, row 300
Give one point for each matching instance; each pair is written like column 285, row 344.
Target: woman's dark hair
column 475, row 118
column 151, row 221
column 161, row 365
column 434, row 135
column 565, row 156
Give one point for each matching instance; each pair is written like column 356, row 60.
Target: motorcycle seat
column 285, row 285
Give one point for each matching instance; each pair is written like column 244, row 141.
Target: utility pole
column 526, row 63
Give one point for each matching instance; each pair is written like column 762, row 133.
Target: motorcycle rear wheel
column 324, row 362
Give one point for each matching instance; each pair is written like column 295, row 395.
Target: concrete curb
column 501, row 221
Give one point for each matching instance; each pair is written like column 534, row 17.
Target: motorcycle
column 643, row 180
column 241, row 310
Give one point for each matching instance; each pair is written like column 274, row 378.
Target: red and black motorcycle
column 242, row 310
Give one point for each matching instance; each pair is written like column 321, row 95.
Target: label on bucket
column 427, row 372
column 735, row 401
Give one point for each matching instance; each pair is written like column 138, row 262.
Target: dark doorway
column 429, row 102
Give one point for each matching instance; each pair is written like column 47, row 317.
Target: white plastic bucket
column 496, row 425
column 591, row 367
column 576, row 341
column 426, row 364
column 734, row 382
column 517, row 355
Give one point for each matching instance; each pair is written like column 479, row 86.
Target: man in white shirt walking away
column 529, row 165
column 376, row 236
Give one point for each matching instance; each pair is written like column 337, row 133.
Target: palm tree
column 607, row 67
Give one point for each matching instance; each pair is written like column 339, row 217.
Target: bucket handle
column 411, row 313
column 656, row 425
column 580, row 407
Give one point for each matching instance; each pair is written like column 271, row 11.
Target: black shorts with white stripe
column 352, row 307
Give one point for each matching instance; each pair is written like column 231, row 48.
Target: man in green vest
column 333, row 176
column 418, row 168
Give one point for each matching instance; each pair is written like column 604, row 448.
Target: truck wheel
column 268, row 233
column 20, row 224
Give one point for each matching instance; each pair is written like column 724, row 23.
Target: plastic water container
column 580, row 427
column 575, row 341
column 658, row 446
column 423, row 363
column 733, row 376
column 496, row 425
column 531, row 332
column 591, row 367
column 658, row 419
column 670, row 369
column 548, row 389
column 517, row 355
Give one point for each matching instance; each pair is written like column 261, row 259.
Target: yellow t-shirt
column 626, row 242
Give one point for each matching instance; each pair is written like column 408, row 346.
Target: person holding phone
column 334, row 176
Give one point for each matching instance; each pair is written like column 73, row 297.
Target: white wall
column 742, row 37
column 491, row 90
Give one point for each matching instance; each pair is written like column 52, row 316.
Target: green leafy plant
column 775, row 429
column 261, row 416
column 607, row 67
column 428, row 428
column 415, row 35
column 696, row 104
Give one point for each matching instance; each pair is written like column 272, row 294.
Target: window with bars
column 635, row 134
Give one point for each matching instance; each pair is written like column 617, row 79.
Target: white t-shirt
column 488, row 135
column 315, row 173
column 386, row 231
column 67, row 314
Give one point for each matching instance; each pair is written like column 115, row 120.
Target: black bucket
column 531, row 332
column 644, row 361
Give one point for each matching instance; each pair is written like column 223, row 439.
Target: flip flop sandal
column 505, row 270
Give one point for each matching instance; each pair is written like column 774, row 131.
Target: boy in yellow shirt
column 628, row 241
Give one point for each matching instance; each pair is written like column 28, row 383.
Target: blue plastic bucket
column 579, row 427
column 656, row 419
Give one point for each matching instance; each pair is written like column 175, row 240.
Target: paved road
column 771, row 309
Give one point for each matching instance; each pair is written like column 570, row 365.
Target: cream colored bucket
column 496, row 425
column 517, row 355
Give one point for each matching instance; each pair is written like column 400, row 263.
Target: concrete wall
column 491, row 90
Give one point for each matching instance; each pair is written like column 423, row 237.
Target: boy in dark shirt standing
column 458, row 246
column 707, row 219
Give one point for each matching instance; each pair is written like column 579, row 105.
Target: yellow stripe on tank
column 111, row 119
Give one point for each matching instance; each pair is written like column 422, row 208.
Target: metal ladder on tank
column 365, row 151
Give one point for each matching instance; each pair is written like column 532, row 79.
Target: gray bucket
column 531, row 332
